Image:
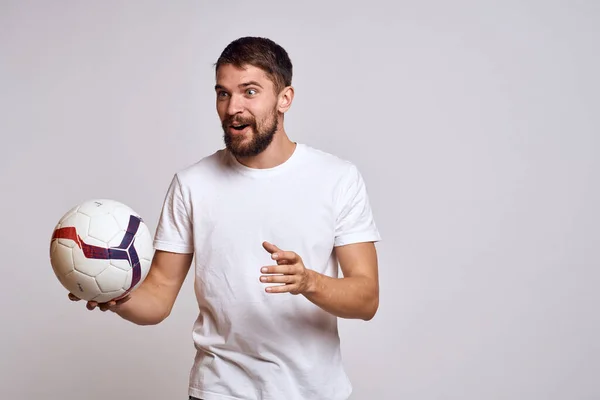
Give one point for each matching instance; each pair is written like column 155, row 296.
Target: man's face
column 247, row 107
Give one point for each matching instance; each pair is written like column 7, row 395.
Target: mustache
column 237, row 120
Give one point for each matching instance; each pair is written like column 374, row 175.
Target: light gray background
column 475, row 124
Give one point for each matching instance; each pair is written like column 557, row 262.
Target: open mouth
column 240, row 127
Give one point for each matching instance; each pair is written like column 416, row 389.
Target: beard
column 262, row 133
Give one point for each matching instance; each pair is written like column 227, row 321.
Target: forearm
column 355, row 297
column 143, row 307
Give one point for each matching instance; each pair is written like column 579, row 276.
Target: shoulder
column 333, row 167
column 206, row 168
column 327, row 162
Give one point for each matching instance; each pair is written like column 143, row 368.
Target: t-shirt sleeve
column 174, row 232
column 354, row 222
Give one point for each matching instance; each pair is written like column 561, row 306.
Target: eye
column 251, row 92
column 222, row 94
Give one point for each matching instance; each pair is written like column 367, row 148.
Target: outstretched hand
column 110, row 305
column 290, row 271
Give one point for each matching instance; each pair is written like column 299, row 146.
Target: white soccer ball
column 101, row 250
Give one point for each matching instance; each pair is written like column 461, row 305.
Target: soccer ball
column 101, row 250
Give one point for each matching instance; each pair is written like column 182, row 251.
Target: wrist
column 312, row 282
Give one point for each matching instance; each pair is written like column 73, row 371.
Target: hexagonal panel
column 104, row 228
column 145, row 266
column 122, row 215
column 117, row 239
column 144, row 269
column 81, row 285
column 127, row 283
column 96, row 262
column 104, row 297
column 95, row 207
column 80, row 222
column 68, row 214
column 111, row 279
column 121, row 264
column 144, row 243
column 61, row 259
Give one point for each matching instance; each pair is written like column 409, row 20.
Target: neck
column 278, row 152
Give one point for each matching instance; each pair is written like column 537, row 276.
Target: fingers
column 92, row 305
column 107, row 306
column 287, row 272
column 287, row 276
column 270, row 247
column 285, row 288
column 281, row 269
column 280, row 255
column 287, row 279
column 72, row 297
column 287, row 256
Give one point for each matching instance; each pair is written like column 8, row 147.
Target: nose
column 235, row 105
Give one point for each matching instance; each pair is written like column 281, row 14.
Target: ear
column 285, row 99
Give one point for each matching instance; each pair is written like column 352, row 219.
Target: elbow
column 150, row 321
column 161, row 317
column 371, row 309
column 146, row 322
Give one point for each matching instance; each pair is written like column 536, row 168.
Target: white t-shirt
column 252, row 344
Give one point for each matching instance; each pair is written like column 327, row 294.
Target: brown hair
column 262, row 53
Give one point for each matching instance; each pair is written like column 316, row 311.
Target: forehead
column 230, row 75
